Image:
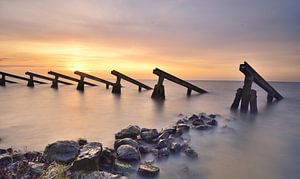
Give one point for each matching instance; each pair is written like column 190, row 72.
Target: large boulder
column 5, row 159
column 149, row 135
column 62, row 151
column 103, row 175
column 128, row 153
column 128, row 132
column 126, row 141
column 107, row 158
column 148, row 170
column 88, row 158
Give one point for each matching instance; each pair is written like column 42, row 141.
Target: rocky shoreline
column 83, row 159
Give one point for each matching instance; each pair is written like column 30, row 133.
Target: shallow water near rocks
column 242, row 146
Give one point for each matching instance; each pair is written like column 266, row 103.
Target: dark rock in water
column 81, row 141
column 128, row 153
column 205, row 117
column 203, row 127
column 175, row 148
column 36, row 168
column 5, row 159
column 178, row 132
column 126, row 141
column 2, row 151
column 164, row 135
column 191, row 153
column 148, row 170
column 162, row 153
column 162, row 144
column 62, row 151
column 170, row 130
column 33, row 156
column 149, row 135
column 88, row 158
column 197, row 122
column 17, row 157
column 107, row 158
column 193, row 117
column 183, row 127
column 129, row 132
column 213, row 122
column 180, row 121
column 144, row 147
column 212, row 116
column 103, row 175
column 122, row 168
column 10, row 150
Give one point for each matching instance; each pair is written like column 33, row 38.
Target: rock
column 103, row 175
column 170, row 130
column 193, row 117
column 183, row 127
column 10, row 150
column 191, row 153
column 162, row 144
column 17, row 157
column 197, row 122
column 148, row 170
column 203, row 127
column 107, row 158
column 123, row 168
column 144, row 147
column 126, row 141
column 62, row 151
column 180, row 121
column 88, row 158
column 178, row 132
column 212, row 116
column 36, row 168
column 213, row 122
column 175, row 148
column 5, row 159
column 82, row 141
column 129, row 132
column 2, row 151
column 33, row 156
column 164, row 135
column 149, row 135
column 162, row 153
column 128, row 153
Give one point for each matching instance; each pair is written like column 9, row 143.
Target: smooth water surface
column 263, row 146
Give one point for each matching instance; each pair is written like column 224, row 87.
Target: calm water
column 262, row 146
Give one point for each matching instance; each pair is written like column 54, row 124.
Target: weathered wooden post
column 159, row 89
column 247, row 95
column 30, row 82
column 117, row 86
column 80, row 82
column 54, row 81
column 2, row 81
column 85, row 75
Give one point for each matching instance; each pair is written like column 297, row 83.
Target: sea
column 261, row 146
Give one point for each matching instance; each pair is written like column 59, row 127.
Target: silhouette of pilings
column 4, row 75
column 159, row 90
column 80, row 81
column 85, row 75
column 31, row 75
column 117, row 86
column 247, row 96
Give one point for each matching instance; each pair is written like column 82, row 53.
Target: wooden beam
column 108, row 83
column 69, row 78
column 179, row 81
column 20, row 77
column 46, row 78
column 131, row 80
column 249, row 71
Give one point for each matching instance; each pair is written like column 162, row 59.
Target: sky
column 192, row 39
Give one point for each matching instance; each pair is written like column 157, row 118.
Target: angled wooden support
column 82, row 74
column 159, row 91
column 3, row 80
column 117, row 86
column 80, row 81
column 31, row 75
column 247, row 95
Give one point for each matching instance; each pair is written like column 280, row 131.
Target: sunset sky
column 193, row 39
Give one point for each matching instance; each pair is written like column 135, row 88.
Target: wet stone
column 191, row 153
column 36, row 168
column 33, row 156
column 203, row 127
column 193, row 117
column 148, row 170
column 175, row 147
column 129, row 132
column 164, row 135
column 5, row 159
column 126, row 141
column 197, row 122
column 81, row 141
column 62, row 151
column 149, row 135
column 2, row 151
column 163, row 153
column 123, row 168
column 107, row 158
column 88, row 158
column 102, row 175
column 212, row 122
column 162, row 144
column 128, row 153
column 183, row 127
